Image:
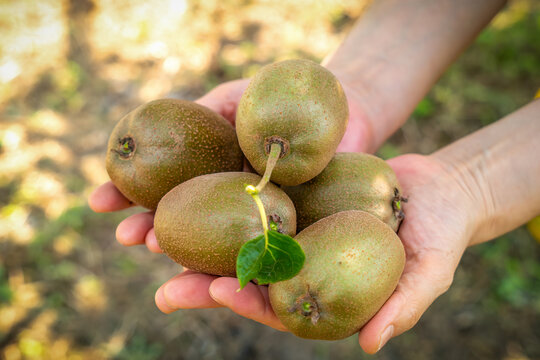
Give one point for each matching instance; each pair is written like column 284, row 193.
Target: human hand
column 138, row 229
column 191, row 289
column 435, row 233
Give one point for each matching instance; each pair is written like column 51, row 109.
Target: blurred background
column 70, row 69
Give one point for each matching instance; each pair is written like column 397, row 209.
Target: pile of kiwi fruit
column 185, row 162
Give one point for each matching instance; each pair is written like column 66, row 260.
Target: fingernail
column 212, row 291
column 385, row 336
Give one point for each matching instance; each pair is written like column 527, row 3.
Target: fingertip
column 161, row 303
column 369, row 337
column 133, row 230
column 372, row 343
column 107, row 198
column 369, row 345
column 419, row 286
column 93, row 200
column 376, row 333
column 151, row 242
column 98, row 200
column 121, row 232
column 125, row 236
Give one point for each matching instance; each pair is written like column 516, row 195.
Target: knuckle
column 411, row 317
column 444, row 281
column 442, row 274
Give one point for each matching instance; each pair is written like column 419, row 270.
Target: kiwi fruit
column 299, row 105
column 353, row 264
column 351, row 181
column 203, row 222
column 166, row 142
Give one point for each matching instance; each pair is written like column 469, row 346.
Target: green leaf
column 249, row 260
column 282, row 259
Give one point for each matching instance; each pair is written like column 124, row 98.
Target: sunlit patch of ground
column 32, row 39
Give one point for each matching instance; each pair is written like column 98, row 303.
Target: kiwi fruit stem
column 252, row 190
column 274, row 155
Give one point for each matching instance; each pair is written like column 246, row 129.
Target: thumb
column 224, row 98
column 423, row 280
column 359, row 135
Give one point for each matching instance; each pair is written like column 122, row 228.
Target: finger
column 224, row 98
column 251, row 302
column 133, row 230
column 151, row 242
column 161, row 304
column 188, row 290
column 419, row 286
column 358, row 136
column 107, row 198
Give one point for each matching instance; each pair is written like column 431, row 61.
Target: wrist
column 498, row 173
column 471, row 192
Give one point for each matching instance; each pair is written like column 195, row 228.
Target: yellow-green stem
column 273, row 157
column 252, row 190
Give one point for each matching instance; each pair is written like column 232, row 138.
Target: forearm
column 499, row 170
column 399, row 48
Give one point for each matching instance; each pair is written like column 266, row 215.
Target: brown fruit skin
column 175, row 140
column 351, row 181
column 353, row 264
column 203, row 222
column 301, row 102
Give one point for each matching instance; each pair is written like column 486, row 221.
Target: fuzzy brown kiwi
column 203, row 222
column 299, row 105
column 353, row 264
column 351, row 181
column 166, row 142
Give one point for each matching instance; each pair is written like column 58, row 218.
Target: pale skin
column 468, row 192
